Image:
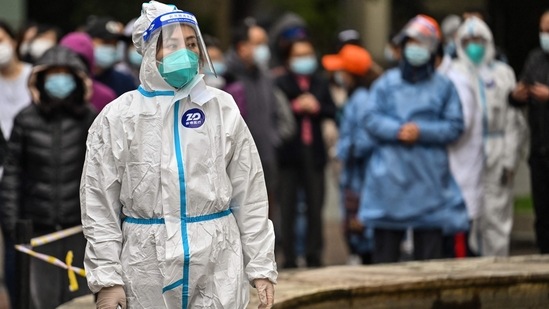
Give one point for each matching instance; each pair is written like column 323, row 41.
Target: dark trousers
column 427, row 244
column 539, row 178
column 9, row 267
column 310, row 179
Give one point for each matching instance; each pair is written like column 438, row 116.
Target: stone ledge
column 499, row 283
column 516, row 282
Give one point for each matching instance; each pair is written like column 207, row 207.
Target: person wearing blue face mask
column 303, row 157
column 174, row 201
column 218, row 77
column 532, row 93
column 251, row 84
column 131, row 59
column 411, row 115
column 502, row 135
column 43, row 167
column 106, row 33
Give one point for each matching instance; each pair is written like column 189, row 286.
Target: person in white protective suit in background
column 489, row 82
column 174, row 204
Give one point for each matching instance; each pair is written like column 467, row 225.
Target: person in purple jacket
column 81, row 43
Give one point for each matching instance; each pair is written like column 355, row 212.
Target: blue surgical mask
column 544, row 41
column 105, row 56
column 179, row 67
column 135, row 58
column 305, row 65
column 416, row 54
column 262, row 55
column 59, row 85
column 475, row 52
column 219, row 67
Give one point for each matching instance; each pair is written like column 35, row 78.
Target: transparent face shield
column 421, row 29
column 180, row 49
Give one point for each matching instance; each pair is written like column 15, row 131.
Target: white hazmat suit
column 503, row 134
column 174, row 204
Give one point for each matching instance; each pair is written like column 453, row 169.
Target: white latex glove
column 265, row 292
column 111, row 297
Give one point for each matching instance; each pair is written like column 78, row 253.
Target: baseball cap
column 105, row 28
column 351, row 58
column 349, row 36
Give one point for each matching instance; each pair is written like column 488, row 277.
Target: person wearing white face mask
column 412, row 114
column 532, row 91
column 40, row 38
column 14, row 96
column 106, row 33
column 43, row 168
column 14, row 93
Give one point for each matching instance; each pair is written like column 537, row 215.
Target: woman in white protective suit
column 502, row 131
column 174, row 205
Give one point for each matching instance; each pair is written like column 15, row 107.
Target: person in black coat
column 303, row 157
column 532, row 93
column 43, row 167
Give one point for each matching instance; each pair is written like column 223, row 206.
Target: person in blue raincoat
column 352, row 68
column 173, row 197
column 412, row 114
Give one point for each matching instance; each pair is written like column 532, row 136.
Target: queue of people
column 183, row 161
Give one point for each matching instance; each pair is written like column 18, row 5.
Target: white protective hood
column 145, row 42
column 174, row 203
column 475, row 27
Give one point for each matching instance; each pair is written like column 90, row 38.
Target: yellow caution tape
column 52, row 260
column 73, row 283
column 42, row 240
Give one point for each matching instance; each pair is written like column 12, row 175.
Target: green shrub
column 523, row 204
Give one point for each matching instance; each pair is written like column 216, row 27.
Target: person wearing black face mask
column 412, row 114
column 43, row 168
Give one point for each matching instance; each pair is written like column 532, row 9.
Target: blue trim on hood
column 176, row 16
column 154, row 93
column 183, row 206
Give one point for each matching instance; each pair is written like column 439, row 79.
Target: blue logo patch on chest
column 490, row 83
column 193, row 118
